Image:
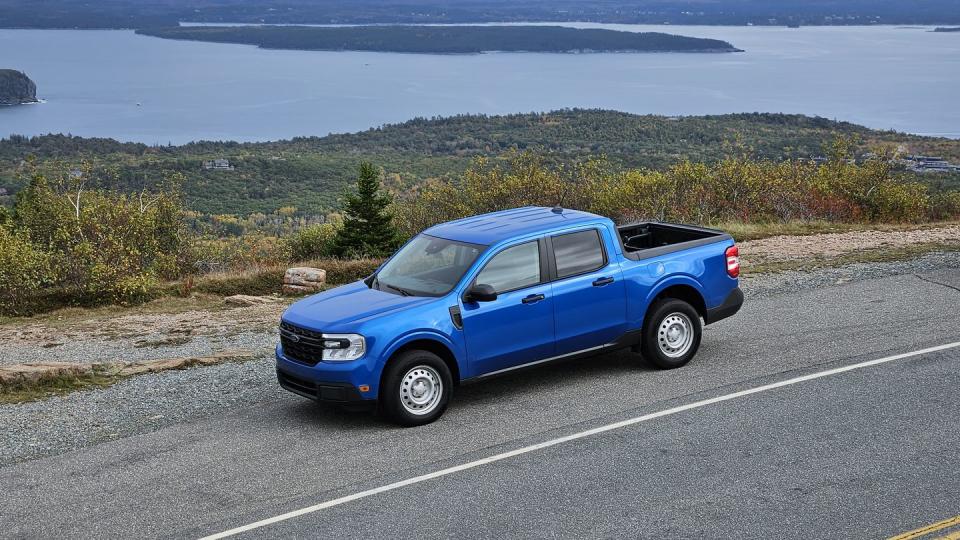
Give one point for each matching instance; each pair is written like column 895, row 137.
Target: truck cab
column 489, row 294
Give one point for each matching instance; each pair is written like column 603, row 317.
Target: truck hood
column 330, row 310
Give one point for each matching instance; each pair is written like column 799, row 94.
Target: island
column 443, row 39
column 947, row 29
column 16, row 88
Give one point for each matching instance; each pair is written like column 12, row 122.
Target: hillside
column 310, row 172
column 443, row 39
column 16, row 88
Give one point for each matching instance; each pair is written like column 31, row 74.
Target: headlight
column 343, row 347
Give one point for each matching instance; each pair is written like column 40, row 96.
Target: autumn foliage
column 731, row 190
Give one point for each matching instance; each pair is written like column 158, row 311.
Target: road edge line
column 567, row 438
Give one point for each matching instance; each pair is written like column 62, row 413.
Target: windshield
column 427, row 266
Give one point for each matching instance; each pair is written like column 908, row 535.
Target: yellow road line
column 927, row 529
column 955, row 535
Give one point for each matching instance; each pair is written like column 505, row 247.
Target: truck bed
column 650, row 239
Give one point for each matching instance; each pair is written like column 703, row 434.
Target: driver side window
column 513, row 268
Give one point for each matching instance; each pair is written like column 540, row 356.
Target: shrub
column 23, row 270
column 103, row 246
column 248, row 252
column 731, row 190
column 945, row 205
column 313, row 242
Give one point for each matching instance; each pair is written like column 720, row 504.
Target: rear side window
column 577, row 253
column 513, row 268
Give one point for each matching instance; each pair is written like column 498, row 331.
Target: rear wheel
column 671, row 334
column 416, row 388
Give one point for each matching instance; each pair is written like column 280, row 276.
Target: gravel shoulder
column 132, row 337
column 147, row 403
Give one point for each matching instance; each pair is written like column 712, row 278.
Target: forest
column 442, row 39
column 309, row 173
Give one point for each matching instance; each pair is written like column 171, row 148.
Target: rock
column 166, row 364
column 304, row 280
column 299, row 289
column 38, row 372
column 16, row 88
column 247, row 300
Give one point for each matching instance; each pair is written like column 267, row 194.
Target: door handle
column 533, row 298
column 603, row 281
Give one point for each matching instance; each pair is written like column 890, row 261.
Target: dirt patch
column 843, row 245
column 145, row 329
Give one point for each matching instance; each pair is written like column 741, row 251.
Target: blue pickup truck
column 488, row 294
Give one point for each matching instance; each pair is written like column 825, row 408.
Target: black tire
column 663, row 315
column 418, row 368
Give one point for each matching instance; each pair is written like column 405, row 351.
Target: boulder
column 304, row 280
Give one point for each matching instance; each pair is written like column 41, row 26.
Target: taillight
column 733, row 261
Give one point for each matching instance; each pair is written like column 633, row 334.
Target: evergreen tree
column 368, row 228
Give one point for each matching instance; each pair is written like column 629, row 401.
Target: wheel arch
column 424, row 343
column 685, row 289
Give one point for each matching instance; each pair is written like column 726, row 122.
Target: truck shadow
column 551, row 376
column 509, row 387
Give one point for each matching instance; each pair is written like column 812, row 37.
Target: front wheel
column 416, row 388
column 671, row 334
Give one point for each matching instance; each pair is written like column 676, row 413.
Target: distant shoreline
column 421, row 39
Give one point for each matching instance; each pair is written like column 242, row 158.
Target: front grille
column 300, row 344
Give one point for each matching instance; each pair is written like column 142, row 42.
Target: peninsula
column 443, row 39
column 16, row 88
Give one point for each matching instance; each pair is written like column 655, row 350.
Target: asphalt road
column 862, row 454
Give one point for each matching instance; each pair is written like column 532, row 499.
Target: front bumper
column 327, row 381
column 329, row 392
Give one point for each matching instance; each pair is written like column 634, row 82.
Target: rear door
column 589, row 299
column 517, row 327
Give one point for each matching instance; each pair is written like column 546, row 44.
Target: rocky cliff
column 16, row 88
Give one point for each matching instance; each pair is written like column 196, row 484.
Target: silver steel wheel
column 675, row 335
column 420, row 390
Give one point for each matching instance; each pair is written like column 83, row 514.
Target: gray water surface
column 114, row 83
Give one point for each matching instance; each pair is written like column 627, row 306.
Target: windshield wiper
column 403, row 292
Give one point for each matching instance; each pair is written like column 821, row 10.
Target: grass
column 199, row 293
column 742, row 232
column 266, row 280
column 58, row 386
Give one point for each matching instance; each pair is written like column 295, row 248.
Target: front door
column 517, row 327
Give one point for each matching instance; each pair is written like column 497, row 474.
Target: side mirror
column 481, row 293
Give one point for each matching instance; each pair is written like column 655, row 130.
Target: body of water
column 116, row 84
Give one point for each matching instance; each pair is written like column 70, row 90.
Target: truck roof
column 491, row 228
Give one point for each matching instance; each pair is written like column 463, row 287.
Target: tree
column 368, row 228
